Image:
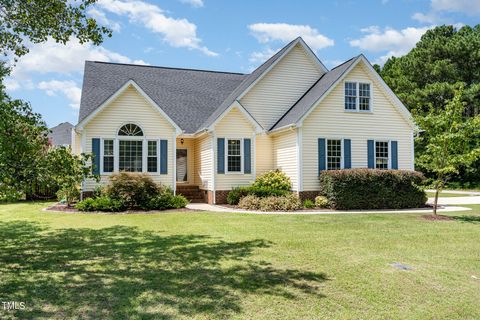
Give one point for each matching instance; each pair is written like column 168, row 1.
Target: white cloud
column 438, row 8
column 193, row 3
column 261, row 56
column 469, row 7
column 269, row 32
column 176, row 32
column 102, row 19
column 11, row 84
column 67, row 88
column 395, row 42
column 64, row 59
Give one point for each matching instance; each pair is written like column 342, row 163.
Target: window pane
column 234, row 158
column 130, row 155
column 107, row 155
column 334, row 154
column 152, row 160
column 130, row 130
column 364, row 100
column 350, row 95
column 381, row 154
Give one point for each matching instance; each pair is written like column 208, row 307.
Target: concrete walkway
column 467, row 193
column 471, row 197
column 217, row 208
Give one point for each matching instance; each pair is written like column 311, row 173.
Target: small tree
column 451, row 140
column 68, row 171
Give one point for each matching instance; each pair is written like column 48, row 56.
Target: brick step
column 192, row 193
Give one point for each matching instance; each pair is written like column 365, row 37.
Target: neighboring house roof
column 187, row 96
column 61, row 135
column 316, row 91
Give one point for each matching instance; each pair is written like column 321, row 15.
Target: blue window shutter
column 371, row 155
column 96, row 155
column 247, row 151
column 347, row 149
column 163, row 156
column 394, row 147
column 322, row 157
column 221, row 155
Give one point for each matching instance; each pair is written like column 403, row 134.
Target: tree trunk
column 435, row 202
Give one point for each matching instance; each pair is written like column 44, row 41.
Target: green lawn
column 446, row 195
column 238, row 266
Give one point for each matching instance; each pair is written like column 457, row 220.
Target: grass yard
column 447, row 195
column 238, row 266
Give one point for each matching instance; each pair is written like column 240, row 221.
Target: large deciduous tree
column 428, row 76
column 23, row 133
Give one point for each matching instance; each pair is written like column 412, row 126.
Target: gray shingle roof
column 61, row 134
column 187, row 96
column 316, row 91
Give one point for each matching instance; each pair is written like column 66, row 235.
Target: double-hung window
column 381, row 155
column 334, row 154
column 130, row 155
column 234, row 155
column 357, row 96
column 108, row 155
column 152, row 157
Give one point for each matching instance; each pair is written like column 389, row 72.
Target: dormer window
column 357, row 96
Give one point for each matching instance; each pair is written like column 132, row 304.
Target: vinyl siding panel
column 285, row 155
column 234, row 125
column 281, row 87
column 264, row 154
column 76, row 142
column 131, row 107
column 329, row 120
column 204, row 162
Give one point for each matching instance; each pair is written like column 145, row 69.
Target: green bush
column 103, row 203
column 134, row 189
column 308, row 204
column 250, row 202
column 274, row 179
column 234, row 196
column 372, row 189
column 167, row 200
column 321, row 202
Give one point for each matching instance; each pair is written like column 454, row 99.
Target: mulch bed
column 438, row 217
column 64, row 208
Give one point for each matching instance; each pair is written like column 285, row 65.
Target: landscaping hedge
column 372, row 189
column 237, row 193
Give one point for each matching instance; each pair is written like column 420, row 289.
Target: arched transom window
column 131, row 130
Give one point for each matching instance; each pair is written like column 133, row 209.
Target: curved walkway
column 471, row 197
column 217, row 208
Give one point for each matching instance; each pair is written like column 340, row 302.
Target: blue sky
column 228, row 36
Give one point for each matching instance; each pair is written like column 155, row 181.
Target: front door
column 182, row 174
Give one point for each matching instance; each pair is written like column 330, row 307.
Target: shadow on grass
column 123, row 272
column 470, row 219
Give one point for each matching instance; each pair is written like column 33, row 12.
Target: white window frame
column 116, row 150
column 242, row 155
column 389, row 159
column 342, row 150
column 157, row 155
column 357, row 100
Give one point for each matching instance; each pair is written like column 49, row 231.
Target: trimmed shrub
column 250, row 202
column 234, row 196
column 321, row 202
column 103, row 203
column 289, row 202
column 134, row 189
column 166, row 200
column 308, row 204
column 274, row 179
column 372, row 189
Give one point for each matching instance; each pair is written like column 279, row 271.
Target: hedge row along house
column 204, row 132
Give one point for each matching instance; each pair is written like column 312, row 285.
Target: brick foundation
column 221, row 196
column 308, row 195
